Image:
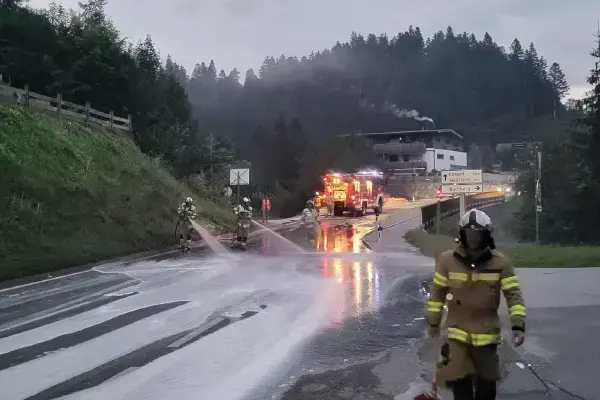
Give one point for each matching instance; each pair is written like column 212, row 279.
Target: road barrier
column 443, row 209
column 63, row 109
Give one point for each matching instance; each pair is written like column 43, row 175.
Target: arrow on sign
column 477, row 187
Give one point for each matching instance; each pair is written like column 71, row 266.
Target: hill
column 73, row 194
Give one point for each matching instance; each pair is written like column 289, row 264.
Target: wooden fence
column 63, row 109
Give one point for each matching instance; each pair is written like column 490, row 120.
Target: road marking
column 195, row 333
column 73, row 304
column 120, row 374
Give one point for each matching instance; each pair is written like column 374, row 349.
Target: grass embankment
column 523, row 255
column 73, row 194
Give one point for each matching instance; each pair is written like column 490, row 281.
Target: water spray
column 285, row 240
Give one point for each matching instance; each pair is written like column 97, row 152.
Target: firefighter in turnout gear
column 309, row 221
column 469, row 281
column 186, row 213
column 242, row 225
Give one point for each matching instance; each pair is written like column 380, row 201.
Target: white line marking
column 195, row 333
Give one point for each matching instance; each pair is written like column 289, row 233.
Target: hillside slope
column 71, row 194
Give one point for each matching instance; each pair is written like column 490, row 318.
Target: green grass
column 522, row 255
column 72, row 194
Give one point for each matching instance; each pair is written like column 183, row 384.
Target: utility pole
column 537, row 147
column 538, row 195
column 212, row 169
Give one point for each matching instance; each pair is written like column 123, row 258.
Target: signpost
column 239, row 176
column 456, row 189
column 462, row 182
column 466, row 176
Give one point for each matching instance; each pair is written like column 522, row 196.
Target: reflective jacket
column 471, row 290
column 244, row 214
column 309, row 217
column 186, row 211
column 265, row 204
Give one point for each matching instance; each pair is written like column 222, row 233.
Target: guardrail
column 429, row 213
column 60, row 108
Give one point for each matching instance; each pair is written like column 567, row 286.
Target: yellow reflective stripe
column 458, row 276
column 486, row 276
column 483, row 339
column 440, row 279
column 517, row 309
column 509, row 283
column 457, row 334
column 435, row 306
column 476, row 339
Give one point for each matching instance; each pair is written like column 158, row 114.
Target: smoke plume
column 414, row 114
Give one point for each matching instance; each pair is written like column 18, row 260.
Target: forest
column 285, row 118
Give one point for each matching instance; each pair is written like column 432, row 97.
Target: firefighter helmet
column 479, row 226
column 475, row 219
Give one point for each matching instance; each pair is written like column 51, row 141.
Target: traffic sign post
column 458, row 189
column 239, row 176
column 462, row 182
column 465, row 176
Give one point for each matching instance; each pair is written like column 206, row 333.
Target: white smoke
column 414, row 114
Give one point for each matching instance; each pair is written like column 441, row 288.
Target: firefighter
column 469, row 280
column 186, row 213
column 309, row 221
column 330, row 204
column 242, row 226
column 317, row 202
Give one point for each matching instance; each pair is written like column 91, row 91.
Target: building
column 417, row 152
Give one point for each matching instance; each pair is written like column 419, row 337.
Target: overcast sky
column 240, row 33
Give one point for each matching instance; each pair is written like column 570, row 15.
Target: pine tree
column 558, row 80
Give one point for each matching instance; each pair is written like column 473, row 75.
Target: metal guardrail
column 451, row 206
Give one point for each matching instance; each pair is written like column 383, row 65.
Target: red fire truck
column 353, row 192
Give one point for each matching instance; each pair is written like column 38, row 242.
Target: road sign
column 457, row 189
column 239, row 176
column 462, row 176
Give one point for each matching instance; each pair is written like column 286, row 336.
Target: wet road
column 338, row 321
column 246, row 326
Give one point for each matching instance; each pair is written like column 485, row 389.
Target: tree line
column 82, row 55
column 285, row 117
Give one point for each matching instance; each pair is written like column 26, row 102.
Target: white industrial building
column 417, row 152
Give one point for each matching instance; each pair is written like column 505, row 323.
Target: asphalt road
column 341, row 320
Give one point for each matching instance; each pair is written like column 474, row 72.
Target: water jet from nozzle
column 283, row 239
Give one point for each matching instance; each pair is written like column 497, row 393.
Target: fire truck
column 353, row 192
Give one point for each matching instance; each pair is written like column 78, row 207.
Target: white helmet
column 188, row 200
column 245, row 200
column 475, row 219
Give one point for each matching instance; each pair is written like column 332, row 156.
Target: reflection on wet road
column 260, row 320
column 379, row 308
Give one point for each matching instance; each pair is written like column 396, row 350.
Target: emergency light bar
column 370, row 173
